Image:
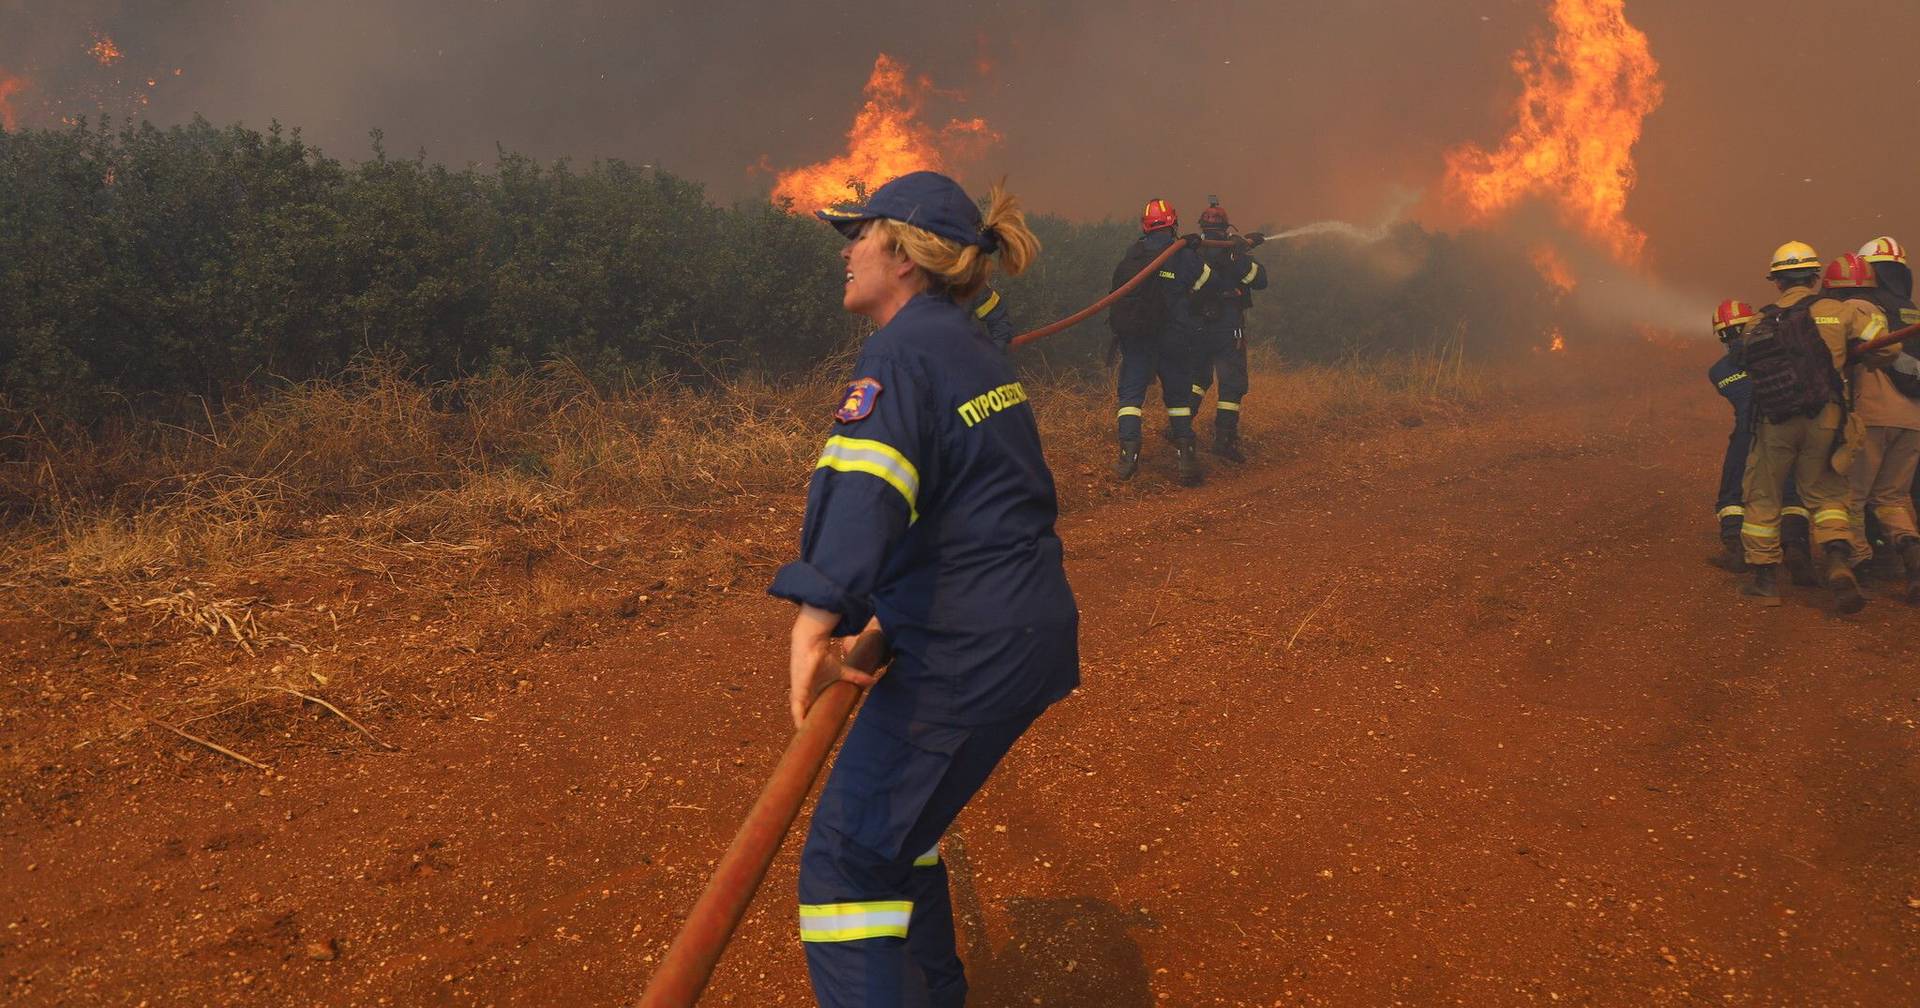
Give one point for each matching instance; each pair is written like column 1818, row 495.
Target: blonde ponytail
column 961, row 270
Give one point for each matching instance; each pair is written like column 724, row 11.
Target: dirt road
column 1455, row 715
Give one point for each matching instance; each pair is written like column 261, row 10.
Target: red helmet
column 1732, row 315
column 1158, row 214
column 1214, row 218
column 1847, row 271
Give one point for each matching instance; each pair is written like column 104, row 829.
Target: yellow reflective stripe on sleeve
column 1734, row 511
column 1180, row 411
column 930, row 858
column 838, row 922
column 1198, row 389
column 1169, row 274
column 1759, row 531
column 1795, row 512
column 992, row 302
column 875, row 458
column 1231, row 407
column 1876, row 326
column 1130, row 411
column 1206, row 273
column 1254, row 271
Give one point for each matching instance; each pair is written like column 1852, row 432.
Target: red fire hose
column 1118, row 292
column 690, row 960
column 1897, row 336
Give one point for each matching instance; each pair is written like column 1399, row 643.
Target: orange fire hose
column 690, row 960
column 1118, row 292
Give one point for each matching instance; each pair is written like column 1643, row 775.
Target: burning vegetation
column 1585, row 92
column 104, row 51
column 888, row 139
column 9, row 86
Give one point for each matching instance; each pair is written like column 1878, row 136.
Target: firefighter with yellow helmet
column 1888, row 452
column 1796, row 354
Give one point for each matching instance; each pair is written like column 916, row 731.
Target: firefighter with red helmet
column 1888, row 452
column 1796, row 354
column 1222, row 308
column 1156, row 331
column 1731, row 381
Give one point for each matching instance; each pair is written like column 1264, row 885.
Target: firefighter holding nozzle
column 931, row 512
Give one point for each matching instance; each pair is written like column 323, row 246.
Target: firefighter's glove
column 1254, row 239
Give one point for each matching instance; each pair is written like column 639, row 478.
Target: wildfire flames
column 104, row 51
column 1585, row 93
column 887, row 140
column 9, row 86
column 1554, row 269
column 1559, row 344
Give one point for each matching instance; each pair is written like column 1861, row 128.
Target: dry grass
column 309, row 544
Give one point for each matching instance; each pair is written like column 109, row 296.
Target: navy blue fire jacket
column 933, row 509
column 1730, row 380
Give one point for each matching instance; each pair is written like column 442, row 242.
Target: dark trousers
column 876, row 918
column 1141, row 361
column 1226, row 360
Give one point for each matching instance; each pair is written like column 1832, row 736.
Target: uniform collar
column 1794, row 295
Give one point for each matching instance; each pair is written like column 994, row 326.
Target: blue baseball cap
column 927, row 200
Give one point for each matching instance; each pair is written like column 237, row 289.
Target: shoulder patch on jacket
column 856, row 403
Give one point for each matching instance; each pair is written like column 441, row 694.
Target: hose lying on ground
column 690, row 960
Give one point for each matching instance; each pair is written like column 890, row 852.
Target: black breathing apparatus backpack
column 1791, row 368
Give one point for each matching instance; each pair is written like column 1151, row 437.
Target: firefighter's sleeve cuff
column 802, row 582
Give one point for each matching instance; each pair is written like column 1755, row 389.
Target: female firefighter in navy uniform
column 932, row 511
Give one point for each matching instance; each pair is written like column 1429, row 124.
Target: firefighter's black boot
column 1732, row 558
column 1129, row 461
column 1765, row 585
column 1187, row 453
column 1847, row 599
column 1910, row 559
column 1796, row 541
column 1226, row 444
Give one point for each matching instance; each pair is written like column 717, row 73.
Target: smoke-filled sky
column 1775, row 124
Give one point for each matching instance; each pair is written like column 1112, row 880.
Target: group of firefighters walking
column 1819, row 473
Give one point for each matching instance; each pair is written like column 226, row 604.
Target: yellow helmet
column 1883, row 249
column 1794, row 256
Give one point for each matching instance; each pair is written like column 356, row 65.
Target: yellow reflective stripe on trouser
column 1206, row 273
column 1734, row 511
column 875, row 458
column 1251, row 273
column 1130, row 411
column 1795, row 512
column 1180, row 411
column 838, row 922
column 1759, row 531
column 1231, row 407
column 930, row 858
column 1831, row 516
column 992, row 302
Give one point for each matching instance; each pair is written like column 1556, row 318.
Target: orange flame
column 1554, row 269
column 1585, row 93
column 9, row 86
column 104, row 51
column 887, row 140
column 1559, row 344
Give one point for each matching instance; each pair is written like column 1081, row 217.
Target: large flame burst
column 1586, row 92
column 9, row 86
column 887, row 140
